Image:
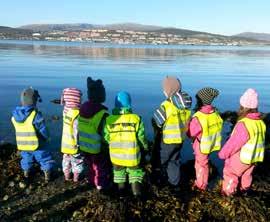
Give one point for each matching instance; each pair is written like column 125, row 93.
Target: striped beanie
column 207, row 95
column 71, row 98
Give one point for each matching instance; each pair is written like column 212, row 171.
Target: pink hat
column 71, row 98
column 249, row 99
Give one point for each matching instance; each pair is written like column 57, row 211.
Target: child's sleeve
column 105, row 132
column 142, row 136
column 194, row 128
column 39, row 124
column 238, row 138
column 159, row 116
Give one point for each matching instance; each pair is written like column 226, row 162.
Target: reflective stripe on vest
column 89, row 139
column 253, row 150
column 26, row 136
column 124, row 149
column 211, row 131
column 175, row 126
column 69, row 145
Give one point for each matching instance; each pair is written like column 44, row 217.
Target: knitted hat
column 207, row 95
column 123, row 100
column 71, row 98
column 96, row 91
column 249, row 99
column 30, row 97
column 171, row 85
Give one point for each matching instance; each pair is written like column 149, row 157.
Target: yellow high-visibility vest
column 253, row 150
column 89, row 139
column 26, row 136
column 69, row 144
column 123, row 144
column 175, row 126
column 211, row 131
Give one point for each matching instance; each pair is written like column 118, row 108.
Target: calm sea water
column 138, row 69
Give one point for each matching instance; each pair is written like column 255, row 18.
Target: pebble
column 28, row 191
column 5, row 197
column 11, row 184
column 22, row 185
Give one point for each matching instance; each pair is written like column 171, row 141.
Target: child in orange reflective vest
column 205, row 129
column 72, row 158
column 245, row 147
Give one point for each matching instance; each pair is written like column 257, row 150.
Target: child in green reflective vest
column 124, row 131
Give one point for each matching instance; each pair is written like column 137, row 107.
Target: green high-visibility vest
column 89, row 139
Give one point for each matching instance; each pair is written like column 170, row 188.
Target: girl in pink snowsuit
column 245, row 146
column 211, row 119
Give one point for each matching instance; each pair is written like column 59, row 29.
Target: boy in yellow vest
column 91, row 123
column 205, row 129
column 31, row 134
column 245, row 147
column 124, row 132
column 72, row 158
column 171, row 118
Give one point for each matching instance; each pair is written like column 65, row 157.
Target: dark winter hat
column 96, row 90
column 30, row 96
column 207, row 95
column 171, row 85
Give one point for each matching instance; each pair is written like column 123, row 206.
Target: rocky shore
column 35, row 200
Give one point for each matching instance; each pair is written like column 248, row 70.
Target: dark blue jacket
column 20, row 114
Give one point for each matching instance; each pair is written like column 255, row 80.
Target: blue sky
column 224, row 17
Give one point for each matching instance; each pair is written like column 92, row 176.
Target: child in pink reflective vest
column 245, row 146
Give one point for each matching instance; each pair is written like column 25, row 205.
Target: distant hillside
column 254, row 35
column 57, row 27
column 7, row 32
column 131, row 27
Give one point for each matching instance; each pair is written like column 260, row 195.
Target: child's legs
column 119, row 175
column 66, row 164
column 44, row 158
column 230, row 180
column 90, row 172
column 202, row 169
column 27, row 160
column 246, row 178
column 77, row 162
column 170, row 160
column 101, row 169
column 135, row 174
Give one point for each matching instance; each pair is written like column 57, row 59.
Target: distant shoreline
column 127, row 45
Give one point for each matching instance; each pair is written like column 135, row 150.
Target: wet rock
column 5, row 197
column 11, row 184
column 22, row 185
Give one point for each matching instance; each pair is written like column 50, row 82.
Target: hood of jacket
column 20, row 113
column 89, row 109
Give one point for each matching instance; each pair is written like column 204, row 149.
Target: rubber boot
column 136, row 189
column 47, row 176
column 26, row 174
column 121, row 190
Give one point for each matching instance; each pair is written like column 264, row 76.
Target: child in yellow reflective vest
column 124, row 132
column 72, row 158
column 245, row 147
column 32, row 134
column 91, row 123
column 205, row 129
column 171, row 119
